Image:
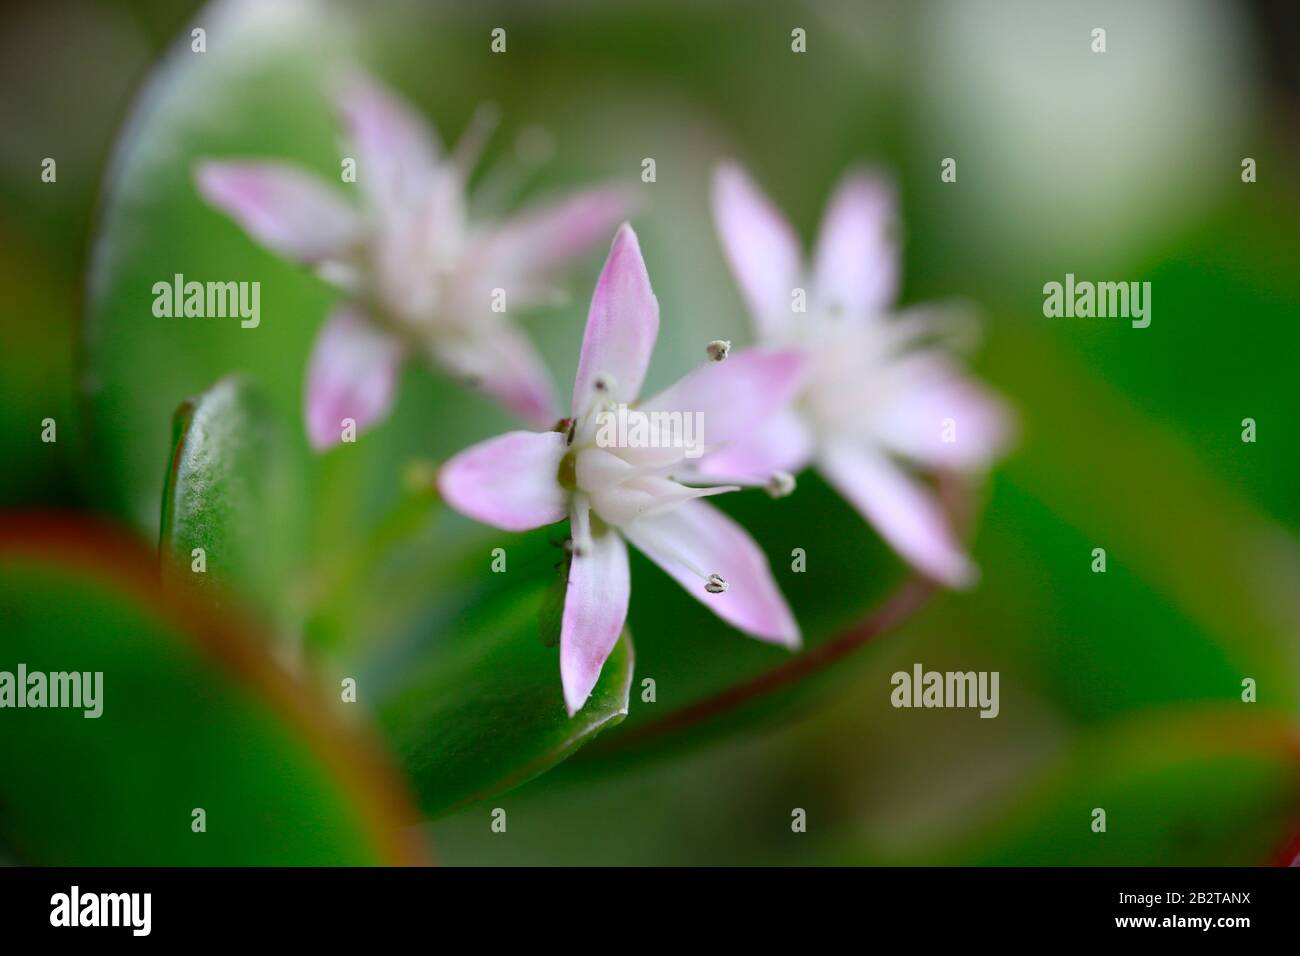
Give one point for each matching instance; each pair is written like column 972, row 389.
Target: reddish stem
column 904, row 602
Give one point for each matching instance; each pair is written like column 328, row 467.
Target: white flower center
column 617, row 482
column 846, row 382
column 417, row 258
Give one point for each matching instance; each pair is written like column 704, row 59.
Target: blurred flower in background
column 873, row 389
column 421, row 278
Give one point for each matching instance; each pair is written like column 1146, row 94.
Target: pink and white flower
column 881, row 389
column 612, row 494
column 418, row 274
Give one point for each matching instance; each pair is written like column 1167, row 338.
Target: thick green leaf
column 231, row 500
column 484, row 712
column 193, row 715
column 240, row 98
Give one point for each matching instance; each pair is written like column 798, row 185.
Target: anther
column 780, row 484
column 467, row 150
column 565, row 426
column 715, row 584
column 718, row 349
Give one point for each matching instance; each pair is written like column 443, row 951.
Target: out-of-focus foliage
column 198, row 749
column 227, row 483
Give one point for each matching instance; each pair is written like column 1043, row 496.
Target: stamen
column 501, row 184
column 718, row 349
column 587, row 424
column 580, row 526
column 469, row 147
column 715, row 584
column 780, row 484
column 688, row 493
column 671, row 553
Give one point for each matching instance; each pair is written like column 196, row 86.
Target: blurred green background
column 1119, row 690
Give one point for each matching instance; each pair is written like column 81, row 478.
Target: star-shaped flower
column 421, row 278
column 614, row 490
column 881, row 389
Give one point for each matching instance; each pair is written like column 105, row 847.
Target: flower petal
column 697, row 539
column 396, row 150
column 643, row 497
column 352, row 373
column 943, row 418
column 782, row 443
column 953, row 326
column 761, row 247
column 595, row 610
column 289, row 211
column 733, row 398
column 504, row 364
column 549, row 234
column 510, row 482
column 855, row 265
column 904, row 513
column 622, row 326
